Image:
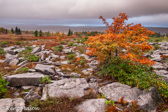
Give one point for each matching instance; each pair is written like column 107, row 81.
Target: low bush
column 70, row 44
column 22, row 70
column 71, row 56
column 45, row 80
column 58, row 48
column 26, row 54
column 33, row 58
column 133, row 74
column 3, row 86
column 2, row 52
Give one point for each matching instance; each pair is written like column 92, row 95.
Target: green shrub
column 33, row 58
column 78, row 41
column 3, row 85
column 18, row 43
column 70, row 44
column 45, row 80
column 156, row 47
column 58, row 48
column 22, row 70
column 71, row 56
column 4, row 43
column 62, row 42
column 2, row 52
column 133, row 74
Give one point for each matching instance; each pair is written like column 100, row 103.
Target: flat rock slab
column 46, row 69
column 12, row 105
column 72, row 87
column 116, row 90
column 25, row 79
column 35, row 50
column 92, row 105
column 149, row 100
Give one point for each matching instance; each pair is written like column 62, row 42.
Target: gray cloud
column 77, row 9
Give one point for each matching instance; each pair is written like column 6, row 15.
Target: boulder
column 14, row 62
column 9, row 57
column 23, row 63
column 116, row 90
column 149, row 100
column 72, row 88
column 64, row 62
column 12, row 105
column 46, row 69
column 31, row 96
column 25, row 79
column 92, row 105
column 159, row 66
column 156, row 58
column 6, row 49
column 35, row 50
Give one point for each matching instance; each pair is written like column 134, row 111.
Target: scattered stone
column 31, row 70
column 13, row 62
column 64, row 62
column 46, row 69
column 31, row 96
column 159, row 66
column 92, row 105
column 25, row 79
column 35, row 50
column 76, row 75
column 72, row 88
column 9, row 57
column 149, row 100
column 22, row 63
column 8, row 104
column 62, row 57
column 156, row 58
column 117, row 90
column 27, row 87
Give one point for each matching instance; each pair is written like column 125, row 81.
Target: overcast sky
column 82, row 12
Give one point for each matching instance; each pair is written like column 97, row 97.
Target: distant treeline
column 159, row 35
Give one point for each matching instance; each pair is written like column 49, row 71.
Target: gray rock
column 149, row 100
column 2, row 61
column 156, row 58
column 6, row 49
column 161, row 72
column 31, row 96
column 117, row 90
column 23, row 63
column 8, row 104
column 27, row 87
column 56, row 63
column 92, row 105
column 159, row 66
column 25, row 79
column 46, row 69
column 62, row 57
column 18, row 50
column 72, row 87
column 13, row 62
column 64, row 62
column 72, row 75
column 31, row 70
column 35, row 50
column 9, row 57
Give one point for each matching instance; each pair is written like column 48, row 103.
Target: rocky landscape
column 66, row 79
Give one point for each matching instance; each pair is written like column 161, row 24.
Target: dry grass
column 6, row 69
column 63, row 104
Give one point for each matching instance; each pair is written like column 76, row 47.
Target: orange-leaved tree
column 127, row 41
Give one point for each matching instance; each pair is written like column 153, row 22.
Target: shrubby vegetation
column 3, row 85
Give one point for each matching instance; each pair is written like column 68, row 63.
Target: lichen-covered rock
column 25, row 79
column 12, row 105
column 72, row 87
column 149, row 100
column 92, row 105
column 46, row 69
column 116, row 90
